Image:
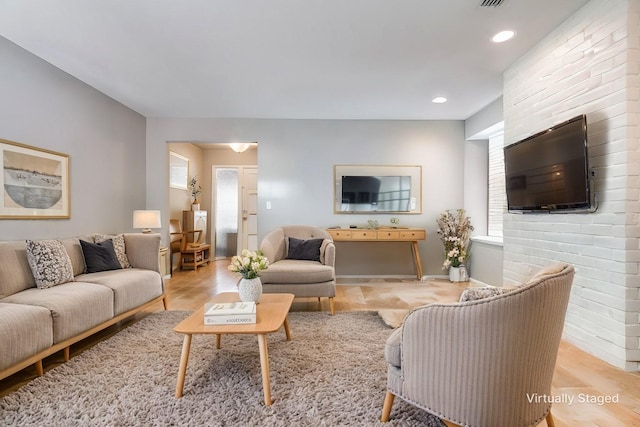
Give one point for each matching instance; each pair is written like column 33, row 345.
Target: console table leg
column 416, row 258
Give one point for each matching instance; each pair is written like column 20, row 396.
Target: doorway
column 235, row 209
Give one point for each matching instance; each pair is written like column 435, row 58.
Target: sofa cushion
column 49, row 262
column 24, row 331
column 15, row 273
column 74, row 307
column 100, row 256
column 308, row 250
column 131, row 287
column 296, row 271
column 118, row 246
column 393, row 348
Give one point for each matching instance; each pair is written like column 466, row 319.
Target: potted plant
column 249, row 264
column 195, row 189
column 454, row 229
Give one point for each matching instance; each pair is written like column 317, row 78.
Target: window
column 497, row 195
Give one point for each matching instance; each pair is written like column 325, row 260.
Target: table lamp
column 146, row 220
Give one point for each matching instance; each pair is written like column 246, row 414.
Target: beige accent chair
column 302, row 278
column 487, row 362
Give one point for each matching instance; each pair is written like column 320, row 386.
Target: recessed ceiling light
column 503, row 36
column 439, row 100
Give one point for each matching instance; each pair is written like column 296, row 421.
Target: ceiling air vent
column 491, row 3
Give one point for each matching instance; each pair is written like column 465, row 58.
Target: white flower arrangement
column 454, row 230
column 249, row 264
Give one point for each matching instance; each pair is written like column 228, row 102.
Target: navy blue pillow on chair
column 308, row 250
column 99, row 256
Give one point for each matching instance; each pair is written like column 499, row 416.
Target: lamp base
column 146, row 230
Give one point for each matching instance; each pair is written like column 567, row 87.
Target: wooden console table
column 410, row 235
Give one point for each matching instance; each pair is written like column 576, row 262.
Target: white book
column 229, row 313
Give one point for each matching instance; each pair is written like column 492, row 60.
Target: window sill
column 488, row 240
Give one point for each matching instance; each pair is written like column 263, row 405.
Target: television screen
column 376, row 193
column 549, row 171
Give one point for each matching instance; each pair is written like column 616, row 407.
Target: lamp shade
column 146, row 220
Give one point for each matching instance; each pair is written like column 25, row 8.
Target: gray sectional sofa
column 37, row 321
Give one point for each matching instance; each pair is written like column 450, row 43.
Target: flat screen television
column 549, row 171
column 376, row 193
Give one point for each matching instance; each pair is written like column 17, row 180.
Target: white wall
column 295, row 163
column 44, row 107
column 588, row 65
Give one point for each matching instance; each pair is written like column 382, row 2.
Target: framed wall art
column 35, row 182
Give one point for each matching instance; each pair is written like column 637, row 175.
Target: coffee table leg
column 184, row 358
column 218, row 336
column 264, row 365
column 286, row 328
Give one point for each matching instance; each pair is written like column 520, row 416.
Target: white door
column 249, row 228
column 236, row 209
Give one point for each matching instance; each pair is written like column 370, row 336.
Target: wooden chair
column 192, row 252
column 175, row 242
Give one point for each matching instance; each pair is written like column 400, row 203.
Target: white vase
column 458, row 274
column 250, row 289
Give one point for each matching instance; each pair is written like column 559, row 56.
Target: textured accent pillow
column 118, row 246
column 49, row 263
column 308, row 250
column 473, row 294
column 99, row 256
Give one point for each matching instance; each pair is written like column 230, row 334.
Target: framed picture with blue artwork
column 35, row 182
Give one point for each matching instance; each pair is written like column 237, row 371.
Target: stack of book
column 230, row 313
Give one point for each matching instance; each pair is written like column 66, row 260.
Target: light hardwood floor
column 578, row 374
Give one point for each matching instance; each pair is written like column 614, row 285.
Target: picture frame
column 178, row 171
column 34, row 182
column 377, row 189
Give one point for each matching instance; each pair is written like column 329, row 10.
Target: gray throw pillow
column 308, row 250
column 49, row 263
column 99, row 256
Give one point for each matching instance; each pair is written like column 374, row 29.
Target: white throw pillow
column 49, row 263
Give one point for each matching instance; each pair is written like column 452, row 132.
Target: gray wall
column 295, row 163
column 47, row 108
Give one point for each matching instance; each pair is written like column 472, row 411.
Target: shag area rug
column 332, row 373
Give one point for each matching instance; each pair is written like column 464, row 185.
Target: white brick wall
column 589, row 65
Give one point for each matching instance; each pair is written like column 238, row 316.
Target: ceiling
column 316, row 59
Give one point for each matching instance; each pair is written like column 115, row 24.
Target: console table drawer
column 389, row 235
column 413, row 235
column 364, row 235
column 340, row 234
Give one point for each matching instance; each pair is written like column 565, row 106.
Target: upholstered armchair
column 301, row 262
column 486, row 362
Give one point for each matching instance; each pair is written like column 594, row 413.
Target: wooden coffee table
column 271, row 315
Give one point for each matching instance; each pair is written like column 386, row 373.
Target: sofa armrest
column 328, row 253
column 143, row 250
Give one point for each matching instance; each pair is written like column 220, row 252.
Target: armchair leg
column 549, row 418
column 331, row 307
column 386, row 407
